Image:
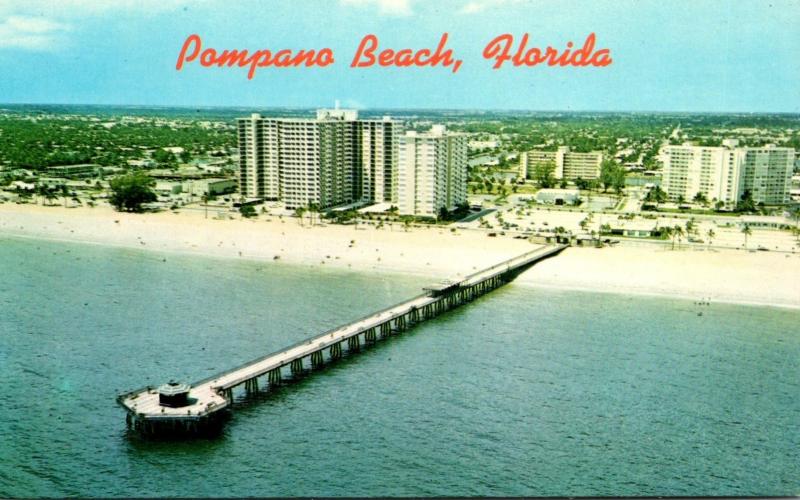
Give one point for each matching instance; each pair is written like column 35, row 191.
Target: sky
column 689, row 56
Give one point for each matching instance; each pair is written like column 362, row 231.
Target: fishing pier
column 176, row 409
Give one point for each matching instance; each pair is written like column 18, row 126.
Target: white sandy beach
column 768, row 278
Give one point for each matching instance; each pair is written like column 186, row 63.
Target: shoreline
column 724, row 276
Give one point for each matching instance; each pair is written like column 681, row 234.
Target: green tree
column 609, row 173
column 164, row 158
column 690, row 227
column 50, row 195
column 205, row 199
column 247, row 211
column 667, row 231
column 129, row 192
column 700, row 197
column 796, row 233
column 656, row 195
column 299, row 212
column 746, row 203
column 543, row 174
column 747, row 232
column 313, row 210
column 612, row 175
column 677, row 232
column 64, row 190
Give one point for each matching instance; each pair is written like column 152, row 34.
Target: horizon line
column 391, row 108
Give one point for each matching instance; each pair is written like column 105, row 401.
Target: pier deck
column 209, row 396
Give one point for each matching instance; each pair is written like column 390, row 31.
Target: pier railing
column 507, row 263
column 306, row 340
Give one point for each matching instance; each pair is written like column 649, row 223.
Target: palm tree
column 313, row 209
column 41, row 191
column 690, row 226
column 205, row 199
column 747, row 232
column 64, row 193
column 667, row 230
column 796, row 233
column 677, row 232
column 298, row 212
column 50, row 195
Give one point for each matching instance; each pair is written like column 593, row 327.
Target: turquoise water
column 523, row 392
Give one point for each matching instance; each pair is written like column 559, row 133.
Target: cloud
column 31, row 33
column 82, row 8
column 42, row 25
column 476, row 6
column 399, row 8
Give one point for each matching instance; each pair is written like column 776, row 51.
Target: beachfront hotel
column 724, row 173
column 568, row 164
column 331, row 160
column 432, row 172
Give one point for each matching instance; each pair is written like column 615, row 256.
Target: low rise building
column 67, row 171
column 567, row 164
column 558, row 196
column 210, row 187
column 640, row 228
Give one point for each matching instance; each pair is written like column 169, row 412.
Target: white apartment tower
column 725, row 172
column 432, row 172
column 379, row 150
column 332, row 160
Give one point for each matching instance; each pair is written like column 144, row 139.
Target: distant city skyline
column 702, row 56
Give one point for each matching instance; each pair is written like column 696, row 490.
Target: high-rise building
column 568, row 164
column 432, row 172
column 767, row 173
column 332, row 160
column 379, row 143
column 724, row 173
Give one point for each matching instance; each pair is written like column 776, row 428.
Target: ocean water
column 525, row 391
